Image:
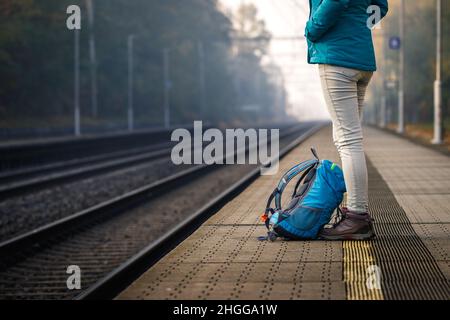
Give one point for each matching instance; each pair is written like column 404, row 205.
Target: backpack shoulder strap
column 304, row 177
column 284, row 181
column 291, row 174
column 307, row 171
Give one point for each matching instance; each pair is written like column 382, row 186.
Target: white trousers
column 344, row 90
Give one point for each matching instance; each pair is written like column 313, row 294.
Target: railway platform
column 409, row 259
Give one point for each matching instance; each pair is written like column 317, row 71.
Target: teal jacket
column 337, row 33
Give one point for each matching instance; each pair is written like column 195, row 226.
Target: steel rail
column 113, row 205
column 68, row 171
column 117, row 280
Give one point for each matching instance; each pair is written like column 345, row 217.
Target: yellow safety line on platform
column 358, row 257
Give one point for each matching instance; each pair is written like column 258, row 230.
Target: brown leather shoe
column 351, row 226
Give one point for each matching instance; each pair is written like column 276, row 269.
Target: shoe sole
column 359, row 237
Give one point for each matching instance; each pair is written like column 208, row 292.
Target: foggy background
column 227, row 62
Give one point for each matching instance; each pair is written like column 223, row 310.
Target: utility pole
column 76, row 98
column 92, row 57
column 383, row 87
column 130, row 83
column 401, row 95
column 258, row 88
column 282, row 100
column 202, row 82
column 438, row 127
column 167, row 87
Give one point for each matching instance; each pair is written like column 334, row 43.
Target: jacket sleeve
column 326, row 15
column 384, row 7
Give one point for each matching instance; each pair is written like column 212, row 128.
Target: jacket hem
column 344, row 64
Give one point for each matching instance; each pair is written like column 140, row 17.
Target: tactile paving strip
column 407, row 268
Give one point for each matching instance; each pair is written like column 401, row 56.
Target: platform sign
column 390, row 84
column 394, row 43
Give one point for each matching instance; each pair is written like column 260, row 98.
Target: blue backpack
column 318, row 192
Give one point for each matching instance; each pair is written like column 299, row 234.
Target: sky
column 287, row 18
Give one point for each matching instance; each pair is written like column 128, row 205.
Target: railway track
column 14, row 184
column 18, row 156
column 19, row 182
column 102, row 237
column 29, row 172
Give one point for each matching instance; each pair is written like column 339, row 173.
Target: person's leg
column 343, row 91
column 363, row 83
column 340, row 86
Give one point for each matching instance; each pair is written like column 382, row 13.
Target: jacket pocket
column 312, row 50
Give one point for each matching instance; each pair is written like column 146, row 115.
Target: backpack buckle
column 272, row 236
